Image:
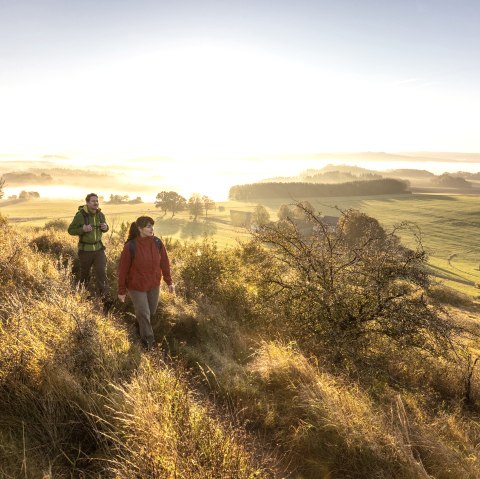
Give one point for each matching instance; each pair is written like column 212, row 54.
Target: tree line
column 297, row 189
column 171, row 201
column 124, row 199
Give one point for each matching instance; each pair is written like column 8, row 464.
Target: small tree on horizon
column 284, row 212
column 208, row 204
column 119, row 199
column 162, row 202
column 260, row 215
column 195, row 205
column 170, row 201
column 2, row 183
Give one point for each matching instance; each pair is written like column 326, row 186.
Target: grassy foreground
column 78, row 398
column 233, row 399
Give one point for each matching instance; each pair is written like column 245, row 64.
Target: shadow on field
column 448, row 274
column 194, row 229
column 425, row 196
column 169, row 226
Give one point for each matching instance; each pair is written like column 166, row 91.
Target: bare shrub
column 57, row 224
column 340, row 290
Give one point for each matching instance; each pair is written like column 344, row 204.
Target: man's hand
column 121, row 297
column 87, row 228
column 103, row 226
column 171, row 288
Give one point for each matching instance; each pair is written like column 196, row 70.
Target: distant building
column 241, row 218
column 330, row 221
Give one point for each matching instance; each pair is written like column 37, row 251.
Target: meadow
column 448, row 224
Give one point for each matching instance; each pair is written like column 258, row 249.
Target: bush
column 206, row 273
column 57, row 225
column 342, row 290
column 60, row 246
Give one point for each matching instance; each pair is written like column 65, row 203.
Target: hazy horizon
column 146, row 177
column 197, row 96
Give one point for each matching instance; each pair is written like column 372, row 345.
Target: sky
column 194, row 79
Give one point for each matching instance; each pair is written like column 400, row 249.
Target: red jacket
column 147, row 268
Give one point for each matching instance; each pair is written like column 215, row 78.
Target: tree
column 295, row 211
column 356, row 225
column 451, row 181
column 344, row 293
column 170, row 201
column 26, row 195
column 177, row 203
column 260, row 216
column 2, row 183
column 162, row 201
column 195, row 205
column 208, row 204
column 119, row 199
column 306, row 206
column 284, row 212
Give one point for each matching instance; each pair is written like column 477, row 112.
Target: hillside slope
column 231, row 392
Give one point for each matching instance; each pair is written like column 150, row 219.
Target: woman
column 143, row 262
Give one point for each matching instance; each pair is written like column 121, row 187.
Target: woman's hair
column 140, row 222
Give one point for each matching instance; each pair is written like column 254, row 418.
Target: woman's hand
column 171, row 288
column 121, row 297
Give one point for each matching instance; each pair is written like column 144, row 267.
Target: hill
column 305, row 189
column 245, row 382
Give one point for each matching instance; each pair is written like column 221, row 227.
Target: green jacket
column 92, row 240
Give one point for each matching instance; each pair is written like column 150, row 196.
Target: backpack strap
column 131, row 246
column 159, row 243
column 86, row 219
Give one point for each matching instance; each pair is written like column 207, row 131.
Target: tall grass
column 76, row 397
column 156, row 404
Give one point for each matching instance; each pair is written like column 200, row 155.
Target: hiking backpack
column 86, row 217
column 131, row 246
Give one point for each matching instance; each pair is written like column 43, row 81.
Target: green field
column 449, row 224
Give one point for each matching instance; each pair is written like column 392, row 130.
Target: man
column 89, row 224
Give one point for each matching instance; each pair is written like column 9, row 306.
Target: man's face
column 92, row 203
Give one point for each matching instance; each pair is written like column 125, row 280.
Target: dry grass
column 72, row 402
column 78, row 398
column 332, row 428
column 156, row 404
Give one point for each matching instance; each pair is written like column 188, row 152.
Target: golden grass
column 156, row 404
column 78, row 399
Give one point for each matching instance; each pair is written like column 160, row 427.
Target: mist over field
column 56, row 176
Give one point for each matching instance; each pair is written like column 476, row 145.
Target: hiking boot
column 148, row 346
